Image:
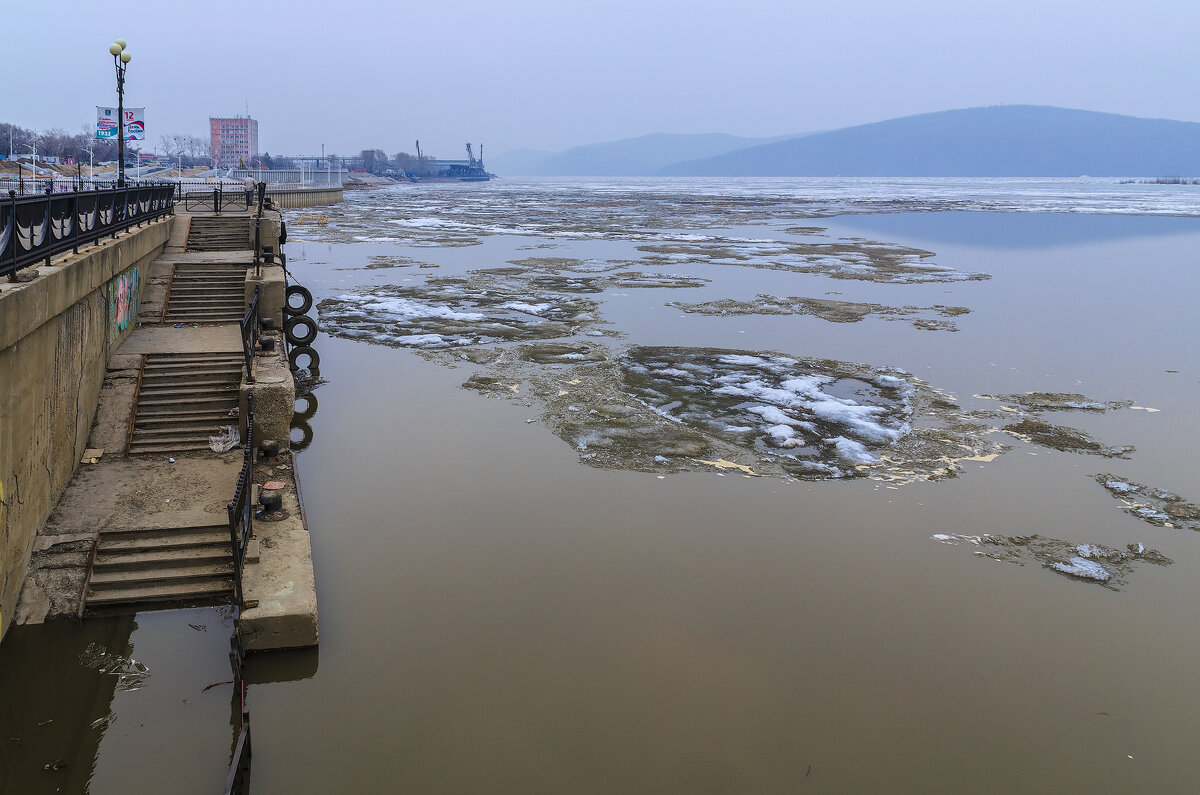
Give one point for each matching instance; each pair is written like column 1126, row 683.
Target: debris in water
column 103, row 723
column 131, row 674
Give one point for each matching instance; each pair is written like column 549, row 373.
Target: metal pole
column 120, row 122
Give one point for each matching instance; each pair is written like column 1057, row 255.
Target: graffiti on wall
column 122, row 303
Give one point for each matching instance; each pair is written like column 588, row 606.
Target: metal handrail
column 250, row 332
column 241, row 509
column 35, row 228
column 238, row 780
column 262, row 195
column 216, row 198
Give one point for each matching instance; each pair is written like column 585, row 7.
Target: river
column 706, row 486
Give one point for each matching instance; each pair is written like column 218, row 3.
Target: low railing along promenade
column 35, row 228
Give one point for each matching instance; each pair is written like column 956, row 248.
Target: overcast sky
column 549, row 75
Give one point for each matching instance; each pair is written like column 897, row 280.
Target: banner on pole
column 106, row 124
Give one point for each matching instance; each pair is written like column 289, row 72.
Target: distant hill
column 1003, row 141
column 631, row 157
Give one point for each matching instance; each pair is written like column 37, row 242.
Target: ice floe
column 1151, row 505
column 1107, row 566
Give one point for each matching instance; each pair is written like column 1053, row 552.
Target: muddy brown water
column 499, row 616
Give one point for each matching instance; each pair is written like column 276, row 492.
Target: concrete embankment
column 145, row 524
column 57, row 332
column 290, row 198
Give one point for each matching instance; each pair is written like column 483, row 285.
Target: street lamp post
column 121, row 59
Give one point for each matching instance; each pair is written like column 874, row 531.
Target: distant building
column 234, row 141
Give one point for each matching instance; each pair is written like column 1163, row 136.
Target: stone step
column 178, row 382
column 148, row 449
column 163, row 436
column 185, row 414
column 210, row 419
column 175, row 433
column 211, row 304
column 134, row 538
column 190, row 591
column 194, row 402
column 209, row 315
column 171, row 574
column 225, row 374
column 154, row 394
column 213, row 360
column 142, row 560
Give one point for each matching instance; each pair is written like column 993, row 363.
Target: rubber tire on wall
column 304, row 350
column 300, row 290
column 289, row 328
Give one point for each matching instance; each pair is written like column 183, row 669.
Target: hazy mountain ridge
column 996, row 141
column 629, row 157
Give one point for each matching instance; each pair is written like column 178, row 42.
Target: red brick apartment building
column 234, row 141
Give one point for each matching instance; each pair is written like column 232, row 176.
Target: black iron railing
column 218, row 198
column 35, row 228
column 241, row 510
column 258, row 247
column 238, row 781
column 241, row 526
column 250, row 331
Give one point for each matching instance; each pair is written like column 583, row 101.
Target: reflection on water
column 306, row 409
column 57, row 702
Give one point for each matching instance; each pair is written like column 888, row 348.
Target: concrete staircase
column 137, row 569
column 183, row 399
column 218, row 234
column 206, row 293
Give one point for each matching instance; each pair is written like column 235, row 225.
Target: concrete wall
column 56, row 333
column 313, row 177
column 304, row 197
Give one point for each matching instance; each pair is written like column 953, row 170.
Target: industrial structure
column 469, row 170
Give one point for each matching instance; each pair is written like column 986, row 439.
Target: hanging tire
column 305, row 298
column 314, row 360
column 297, row 338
